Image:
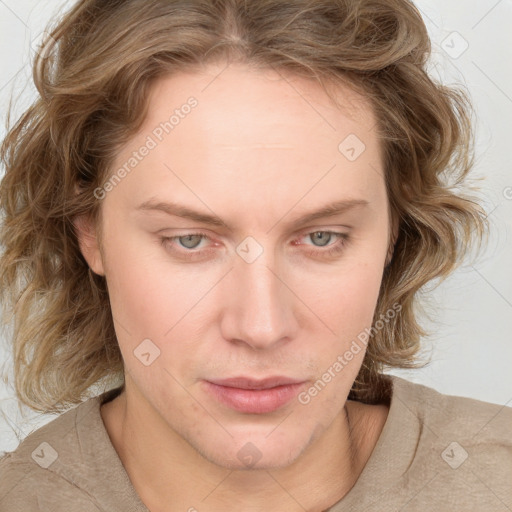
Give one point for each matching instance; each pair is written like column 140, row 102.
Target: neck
column 169, row 475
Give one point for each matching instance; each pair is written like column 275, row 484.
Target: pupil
column 320, row 235
column 189, row 241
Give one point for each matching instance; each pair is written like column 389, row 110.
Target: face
column 247, row 287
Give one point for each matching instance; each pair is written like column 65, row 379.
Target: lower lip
column 254, row 401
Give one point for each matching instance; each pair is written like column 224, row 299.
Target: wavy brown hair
column 93, row 77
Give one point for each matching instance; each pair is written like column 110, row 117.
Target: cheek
column 146, row 298
column 346, row 304
column 345, row 298
column 153, row 299
column 363, row 285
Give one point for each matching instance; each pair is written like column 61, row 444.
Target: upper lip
column 248, row 383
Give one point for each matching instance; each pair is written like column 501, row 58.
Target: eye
column 190, row 241
column 188, row 245
column 324, row 237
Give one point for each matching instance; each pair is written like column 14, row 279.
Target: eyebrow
column 178, row 210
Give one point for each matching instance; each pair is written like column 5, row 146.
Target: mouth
column 253, row 396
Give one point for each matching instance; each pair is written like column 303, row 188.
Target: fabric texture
column 436, row 452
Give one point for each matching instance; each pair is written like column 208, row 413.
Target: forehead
column 234, row 94
column 252, row 129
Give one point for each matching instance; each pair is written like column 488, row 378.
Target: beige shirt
column 435, row 453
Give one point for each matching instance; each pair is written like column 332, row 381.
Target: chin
column 255, row 451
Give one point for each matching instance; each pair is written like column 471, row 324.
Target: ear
column 89, row 242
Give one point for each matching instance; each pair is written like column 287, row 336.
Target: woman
column 224, row 212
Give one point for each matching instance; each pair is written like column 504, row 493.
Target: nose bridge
column 261, row 309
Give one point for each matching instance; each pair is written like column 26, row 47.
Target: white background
column 471, row 348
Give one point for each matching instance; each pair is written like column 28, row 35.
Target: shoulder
column 439, row 452
column 461, row 447
column 26, row 487
column 468, row 418
column 44, row 470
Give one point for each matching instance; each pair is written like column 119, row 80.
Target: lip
column 248, row 383
column 254, row 396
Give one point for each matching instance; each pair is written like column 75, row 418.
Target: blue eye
column 322, row 238
column 325, row 237
column 185, row 246
column 190, row 239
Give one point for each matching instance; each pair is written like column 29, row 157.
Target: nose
column 260, row 306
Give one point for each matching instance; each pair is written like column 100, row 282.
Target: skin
column 259, row 150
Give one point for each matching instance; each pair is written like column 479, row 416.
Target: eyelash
column 334, row 250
